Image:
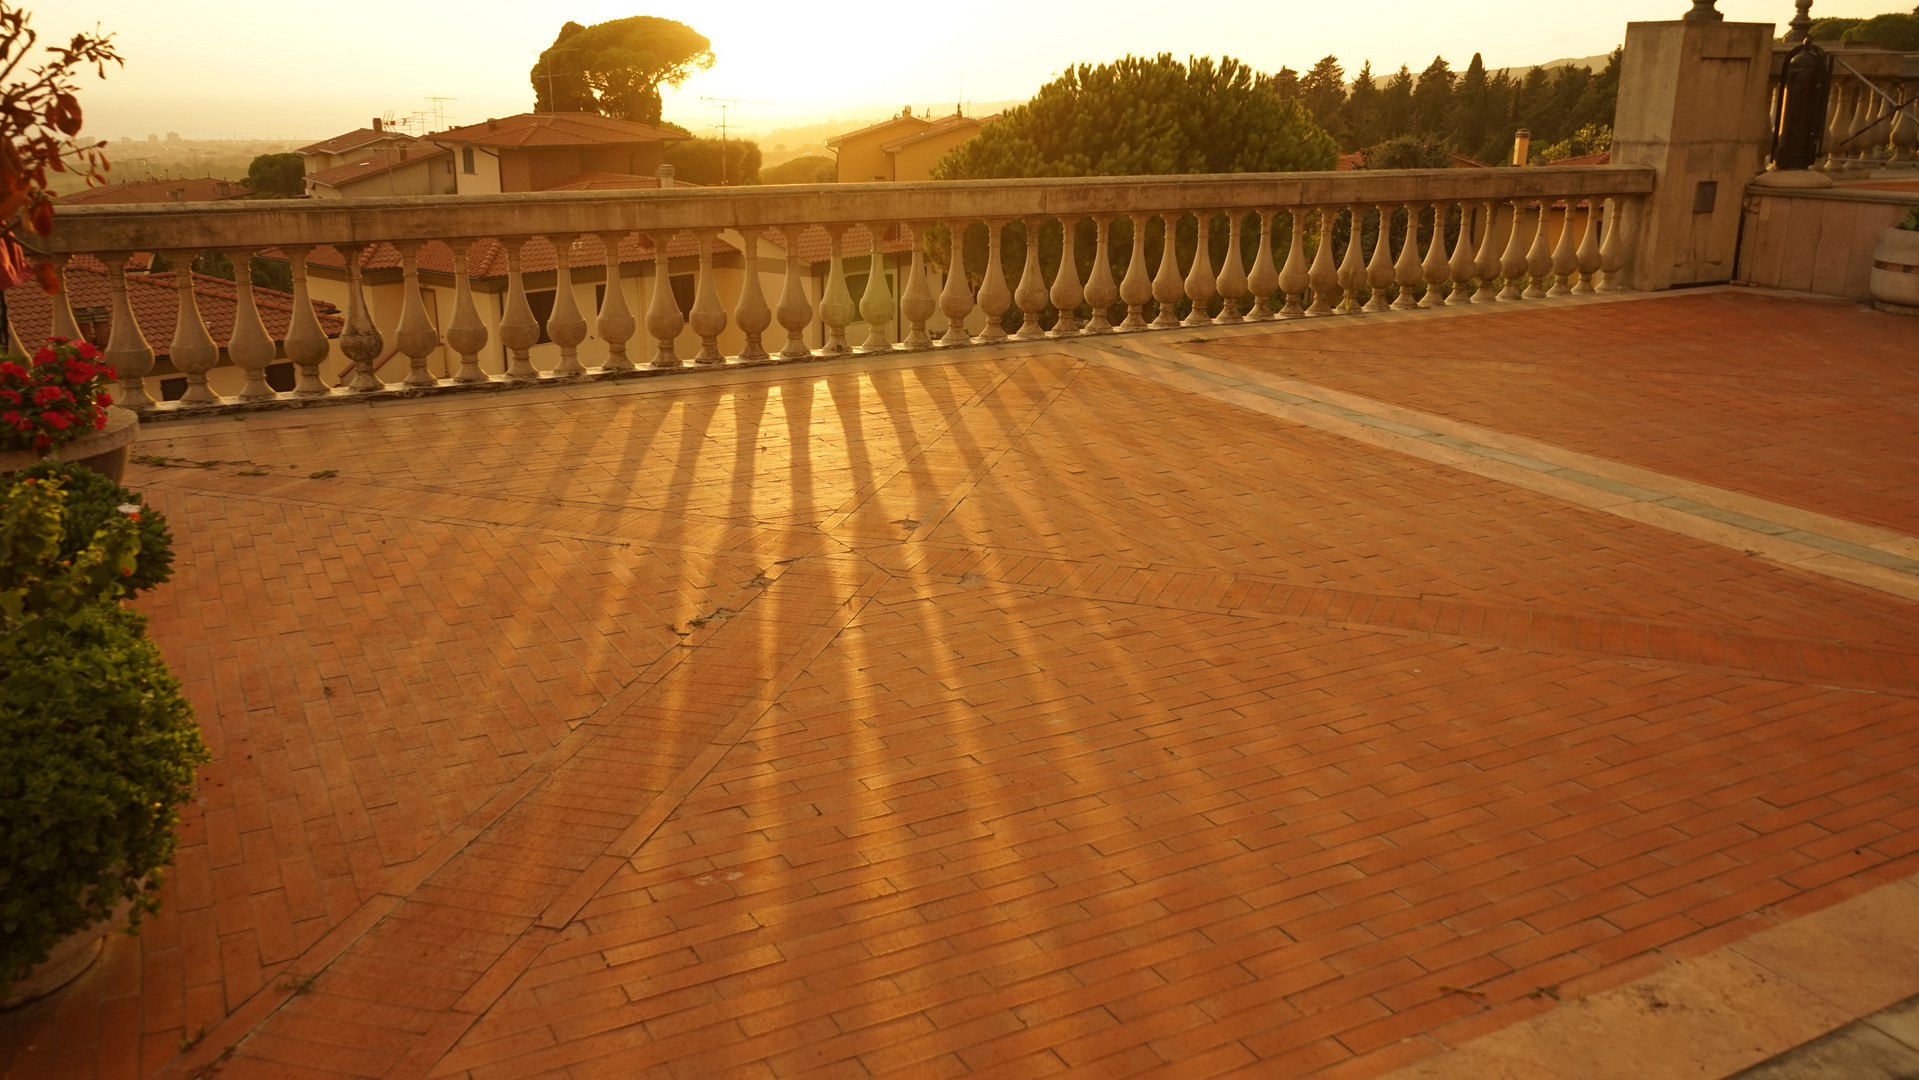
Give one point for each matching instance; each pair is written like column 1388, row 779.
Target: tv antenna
column 439, row 111
column 723, row 102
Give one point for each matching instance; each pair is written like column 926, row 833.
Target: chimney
column 378, row 126
column 1522, row 146
column 665, row 173
column 492, row 124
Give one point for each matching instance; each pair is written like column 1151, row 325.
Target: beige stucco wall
column 485, row 177
column 915, row 162
column 860, row 157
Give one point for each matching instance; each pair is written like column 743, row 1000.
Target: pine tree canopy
column 1139, row 116
column 616, row 68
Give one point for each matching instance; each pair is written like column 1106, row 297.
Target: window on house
column 542, row 304
column 466, row 159
column 449, row 166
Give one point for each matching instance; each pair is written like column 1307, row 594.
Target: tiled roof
column 202, row 189
column 340, row 144
column 940, row 127
column 487, row 258
column 854, row 243
column 375, row 163
column 883, row 124
column 613, row 181
column 156, row 306
column 555, row 129
column 1604, row 157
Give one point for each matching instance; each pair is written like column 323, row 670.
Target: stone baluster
column 414, row 337
column 305, row 344
column 1406, row 270
column 192, row 351
column 795, row 311
column 1201, row 285
column 1030, row 293
column 1565, row 258
column 1379, row 271
column 1857, row 127
column 360, row 339
column 1136, row 289
column 916, row 301
column 707, row 317
column 1167, row 288
column 1612, row 248
column 64, row 324
column 127, row 349
column 1264, row 279
column 956, row 296
column 1836, row 116
column 1436, row 271
column 565, row 326
column 750, row 312
column 663, row 318
column 994, row 297
column 1232, row 273
column 1462, row 265
column 250, row 347
column 1486, row 260
column 837, row 308
column 1292, row 276
column 1539, row 257
column 465, row 333
column 1066, row 293
column 1586, row 259
column 1904, row 136
column 1352, row 268
column 1512, row 264
column 1323, row 275
column 1100, row 290
column 615, row 322
column 876, row 300
column 519, row 330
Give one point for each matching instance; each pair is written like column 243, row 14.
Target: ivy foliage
column 97, row 745
column 1138, row 117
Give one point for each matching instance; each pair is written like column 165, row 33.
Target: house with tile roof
column 417, row 169
column 901, row 148
column 202, row 189
column 341, row 149
column 549, row 151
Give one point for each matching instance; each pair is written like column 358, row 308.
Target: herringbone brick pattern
column 996, row 714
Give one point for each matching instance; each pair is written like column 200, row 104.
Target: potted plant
column 97, row 745
column 1894, row 282
column 55, row 404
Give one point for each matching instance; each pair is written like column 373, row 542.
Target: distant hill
column 1597, row 63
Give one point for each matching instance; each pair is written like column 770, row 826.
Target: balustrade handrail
column 278, row 223
column 1470, row 236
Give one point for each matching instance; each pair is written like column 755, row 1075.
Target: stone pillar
column 1693, row 98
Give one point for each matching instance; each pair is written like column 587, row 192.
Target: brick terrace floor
column 1011, row 712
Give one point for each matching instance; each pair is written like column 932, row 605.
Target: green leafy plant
column 54, row 398
column 1911, row 221
column 92, row 500
column 97, row 745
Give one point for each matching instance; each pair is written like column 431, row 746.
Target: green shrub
column 1891, row 31
column 97, row 751
column 97, row 746
column 90, row 501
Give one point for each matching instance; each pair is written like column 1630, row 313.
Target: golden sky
column 310, row 70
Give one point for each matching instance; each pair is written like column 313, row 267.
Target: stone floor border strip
column 1832, row 556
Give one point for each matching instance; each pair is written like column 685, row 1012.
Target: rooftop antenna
column 723, row 102
column 439, row 110
column 546, row 68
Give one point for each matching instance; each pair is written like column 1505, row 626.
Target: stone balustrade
column 1255, row 247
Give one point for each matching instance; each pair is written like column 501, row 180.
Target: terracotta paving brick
column 1009, row 713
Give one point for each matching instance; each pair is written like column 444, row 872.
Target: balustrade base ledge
column 166, row 411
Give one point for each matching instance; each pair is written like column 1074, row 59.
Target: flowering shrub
column 54, row 398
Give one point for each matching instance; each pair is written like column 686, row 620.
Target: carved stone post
column 1587, row 257
column 1512, row 264
column 1166, row 285
column 837, row 309
column 750, row 313
column 1406, row 271
column 1486, row 259
column 519, row 330
column 876, row 300
column 707, row 318
column 306, row 344
column 360, row 341
column 465, row 333
column 1030, row 293
column 64, row 324
column 663, row 319
column 1293, row 277
column 916, row 300
column 127, row 349
column 1066, row 293
column 1565, row 260
column 795, row 311
column 1322, row 275
column 1135, row 288
column 956, row 295
column 1379, row 271
column 1232, row 273
column 250, row 347
column 1539, row 259
column 1101, row 292
column 615, row 322
column 994, row 298
column 415, row 336
column 1352, row 268
column 1264, row 279
column 1461, row 266
column 565, row 326
column 1436, row 271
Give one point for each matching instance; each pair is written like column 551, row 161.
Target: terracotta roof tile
column 555, row 129
column 1604, row 157
column 375, row 163
column 886, row 123
column 940, row 127
column 201, row 189
column 340, row 144
column 609, row 181
column 155, row 300
column 855, row 242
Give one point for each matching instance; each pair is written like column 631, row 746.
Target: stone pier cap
column 291, row 223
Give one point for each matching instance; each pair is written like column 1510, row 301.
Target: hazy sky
column 276, row 69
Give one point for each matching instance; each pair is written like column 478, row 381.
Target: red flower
column 13, row 396
column 101, row 399
column 46, row 395
column 99, row 421
column 88, row 352
column 58, row 421
column 13, row 370
column 45, row 355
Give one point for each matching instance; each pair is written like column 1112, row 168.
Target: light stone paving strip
column 1861, row 554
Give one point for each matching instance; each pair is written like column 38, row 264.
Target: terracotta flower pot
column 65, row 962
column 1895, row 272
column 104, row 451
